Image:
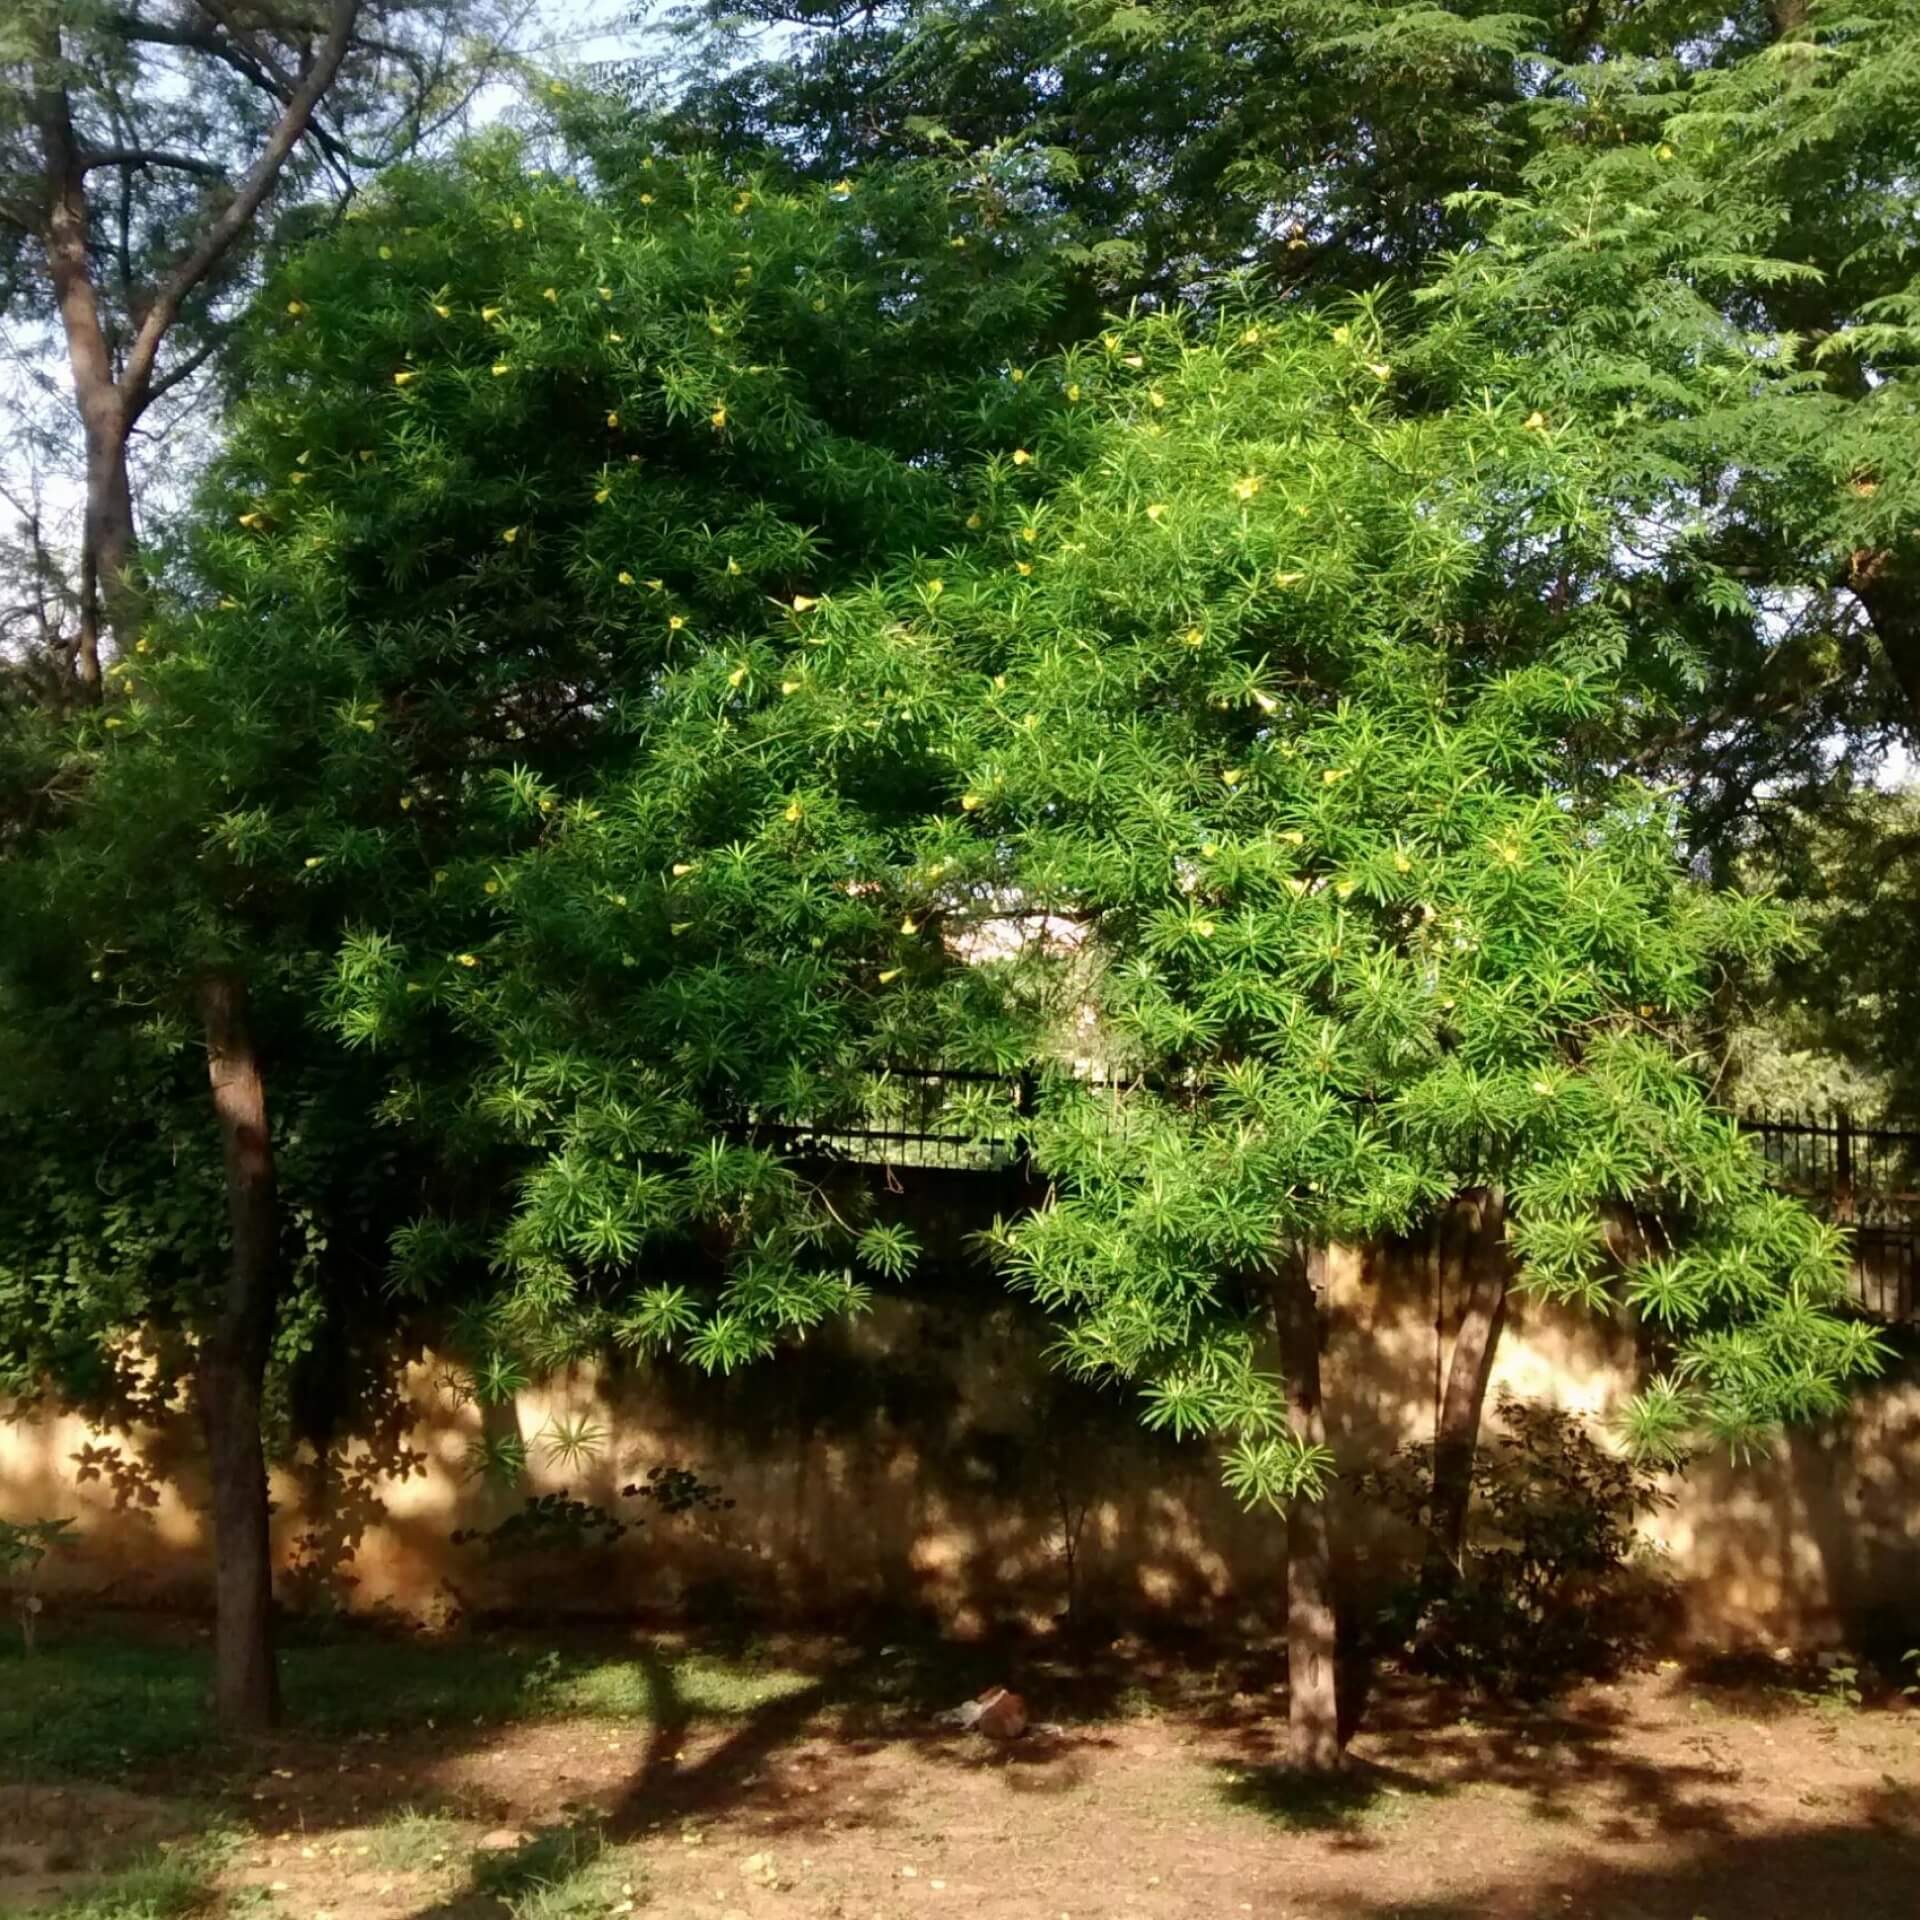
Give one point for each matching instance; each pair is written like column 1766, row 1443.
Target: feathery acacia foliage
column 1265, row 697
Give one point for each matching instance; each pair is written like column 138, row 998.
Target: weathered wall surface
column 926, row 1458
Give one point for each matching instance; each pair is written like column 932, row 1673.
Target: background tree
column 499, row 448
column 146, row 154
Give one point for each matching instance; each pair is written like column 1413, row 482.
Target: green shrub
column 1556, row 1583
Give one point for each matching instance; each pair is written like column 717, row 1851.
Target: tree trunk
column 1313, row 1707
column 1457, row 1432
column 103, row 417
column 109, row 546
column 111, row 403
column 1887, row 585
column 232, row 1369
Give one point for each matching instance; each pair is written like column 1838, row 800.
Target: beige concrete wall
column 926, row 1458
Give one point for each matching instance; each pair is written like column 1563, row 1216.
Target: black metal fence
column 1866, row 1179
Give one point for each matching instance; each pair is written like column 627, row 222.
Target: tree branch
column 235, row 217
column 166, row 382
column 92, row 157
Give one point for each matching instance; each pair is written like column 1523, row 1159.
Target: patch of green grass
column 98, row 1708
column 1358, row 1800
column 167, row 1884
column 358, row 1687
column 698, row 1683
column 412, row 1842
column 563, row 1873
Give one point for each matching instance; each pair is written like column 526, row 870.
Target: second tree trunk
column 1313, row 1702
column 232, row 1369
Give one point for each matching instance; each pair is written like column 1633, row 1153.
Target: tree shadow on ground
column 776, row 1760
column 1567, row 1757
column 1867, row 1868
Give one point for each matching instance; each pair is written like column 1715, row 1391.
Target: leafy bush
column 1555, row 1583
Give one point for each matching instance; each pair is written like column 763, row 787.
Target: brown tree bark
column 1313, row 1706
column 232, row 1369
column 1456, row 1439
column 1887, row 585
column 111, row 400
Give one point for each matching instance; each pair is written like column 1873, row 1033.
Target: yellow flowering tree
column 1251, row 746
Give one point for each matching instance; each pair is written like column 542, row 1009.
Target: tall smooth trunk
column 110, row 544
column 232, row 1369
column 1313, row 1705
column 1457, row 1429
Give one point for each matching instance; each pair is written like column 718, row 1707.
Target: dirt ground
column 1661, row 1797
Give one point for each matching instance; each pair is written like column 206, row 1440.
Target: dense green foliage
column 508, row 454
column 1198, row 566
